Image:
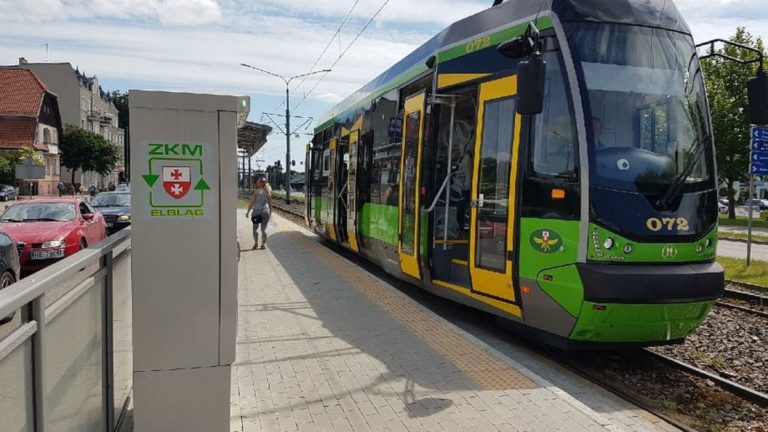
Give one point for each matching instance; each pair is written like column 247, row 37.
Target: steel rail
column 742, row 308
column 745, row 392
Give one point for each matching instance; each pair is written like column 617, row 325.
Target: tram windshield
column 646, row 110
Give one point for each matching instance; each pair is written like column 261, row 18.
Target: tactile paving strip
column 483, row 367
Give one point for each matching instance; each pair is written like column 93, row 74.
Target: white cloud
column 433, row 11
column 23, row 10
column 170, row 12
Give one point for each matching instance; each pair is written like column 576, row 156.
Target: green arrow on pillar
column 202, row 185
column 151, row 179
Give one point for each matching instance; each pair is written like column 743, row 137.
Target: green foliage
column 10, row 158
column 85, row 150
column 120, row 100
column 726, row 83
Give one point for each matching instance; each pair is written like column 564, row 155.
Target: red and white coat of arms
column 176, row 181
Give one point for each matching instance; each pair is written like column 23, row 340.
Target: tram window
column 493, row 184
column 412, row 124
column 554, row 152
column 326, row 163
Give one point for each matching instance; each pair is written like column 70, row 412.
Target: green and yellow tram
column 548, row 161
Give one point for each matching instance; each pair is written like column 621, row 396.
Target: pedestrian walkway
column 324, row 345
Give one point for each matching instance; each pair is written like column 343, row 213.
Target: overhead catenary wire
column 338, row 59
column 328, row 45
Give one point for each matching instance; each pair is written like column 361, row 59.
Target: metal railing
column 66, row 357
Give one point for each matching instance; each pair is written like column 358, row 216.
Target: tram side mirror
column 531, row 76
column 758, row 99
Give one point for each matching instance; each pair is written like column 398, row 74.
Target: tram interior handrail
column 438, row 195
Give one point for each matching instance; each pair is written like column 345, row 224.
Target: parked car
column 8, row 192
column 48, row 230
column 116, row 209
column 758, row 204
column 10, row 267
column 722, row 208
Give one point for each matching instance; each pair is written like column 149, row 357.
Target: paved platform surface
column 325, row 346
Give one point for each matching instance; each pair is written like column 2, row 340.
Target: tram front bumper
column 645, row 304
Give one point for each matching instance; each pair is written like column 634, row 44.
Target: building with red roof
column 29, row 118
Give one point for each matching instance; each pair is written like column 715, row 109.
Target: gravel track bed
column 747, row 289
column 691, row 400
column 729, row 343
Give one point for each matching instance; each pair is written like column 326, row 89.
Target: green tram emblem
column 546, row 241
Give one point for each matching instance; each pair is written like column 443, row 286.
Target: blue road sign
column 758, row 156
column 759, row 146
column 760, row 133
column 759, row 169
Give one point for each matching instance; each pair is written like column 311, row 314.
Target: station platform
column 324, row 345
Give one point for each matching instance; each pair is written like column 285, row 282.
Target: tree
column 120, row 100
column 276, row 176
column 87, row 151
column 726, row 83
column 10, row 158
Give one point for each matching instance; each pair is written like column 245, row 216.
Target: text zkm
column 175, row 150
column 670, row 224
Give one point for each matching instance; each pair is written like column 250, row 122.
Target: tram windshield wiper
column 673, row 189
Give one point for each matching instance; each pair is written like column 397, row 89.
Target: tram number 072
column 656, row 224
column 477, row 44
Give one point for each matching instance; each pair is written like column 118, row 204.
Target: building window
column 46, row 135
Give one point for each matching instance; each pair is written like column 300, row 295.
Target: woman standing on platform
column 261, row 202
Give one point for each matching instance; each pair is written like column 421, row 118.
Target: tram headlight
column 627, row 249
column 709, row 243
column 608, row 243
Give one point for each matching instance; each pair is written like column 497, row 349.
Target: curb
column 758, row 242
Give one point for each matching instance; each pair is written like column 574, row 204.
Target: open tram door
column 492, row 217
column 409, row 205
column 341, row 186
column 351, row 202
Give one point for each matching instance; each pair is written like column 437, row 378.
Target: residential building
column 29, row 118
column 83, row 103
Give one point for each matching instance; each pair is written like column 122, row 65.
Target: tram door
column 491, row 247
column 341, row 204
column 409, row 205
column 330, row 208
column 351, row 202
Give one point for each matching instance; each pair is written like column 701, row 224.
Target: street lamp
column 287, row 121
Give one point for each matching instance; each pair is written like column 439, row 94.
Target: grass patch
column 741, row 221
column 669, row 405
column 741, row 236
column 242, row 204
column 736, row 269
column 294, row 197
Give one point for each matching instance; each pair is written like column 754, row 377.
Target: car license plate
column 48, row 254
column 110, row 224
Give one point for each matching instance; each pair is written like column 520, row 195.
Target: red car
column 49, row 230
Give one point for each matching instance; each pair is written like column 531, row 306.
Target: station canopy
column 252, row 136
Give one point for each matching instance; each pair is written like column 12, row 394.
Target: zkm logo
column 669, row 252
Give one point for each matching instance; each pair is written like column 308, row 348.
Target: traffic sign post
column 758, row 165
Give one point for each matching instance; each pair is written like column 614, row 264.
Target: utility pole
column 287, row 130
column 287, row 145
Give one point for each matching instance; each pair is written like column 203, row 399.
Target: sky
column 198, row 45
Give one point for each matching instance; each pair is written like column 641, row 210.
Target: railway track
column 745, row 301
